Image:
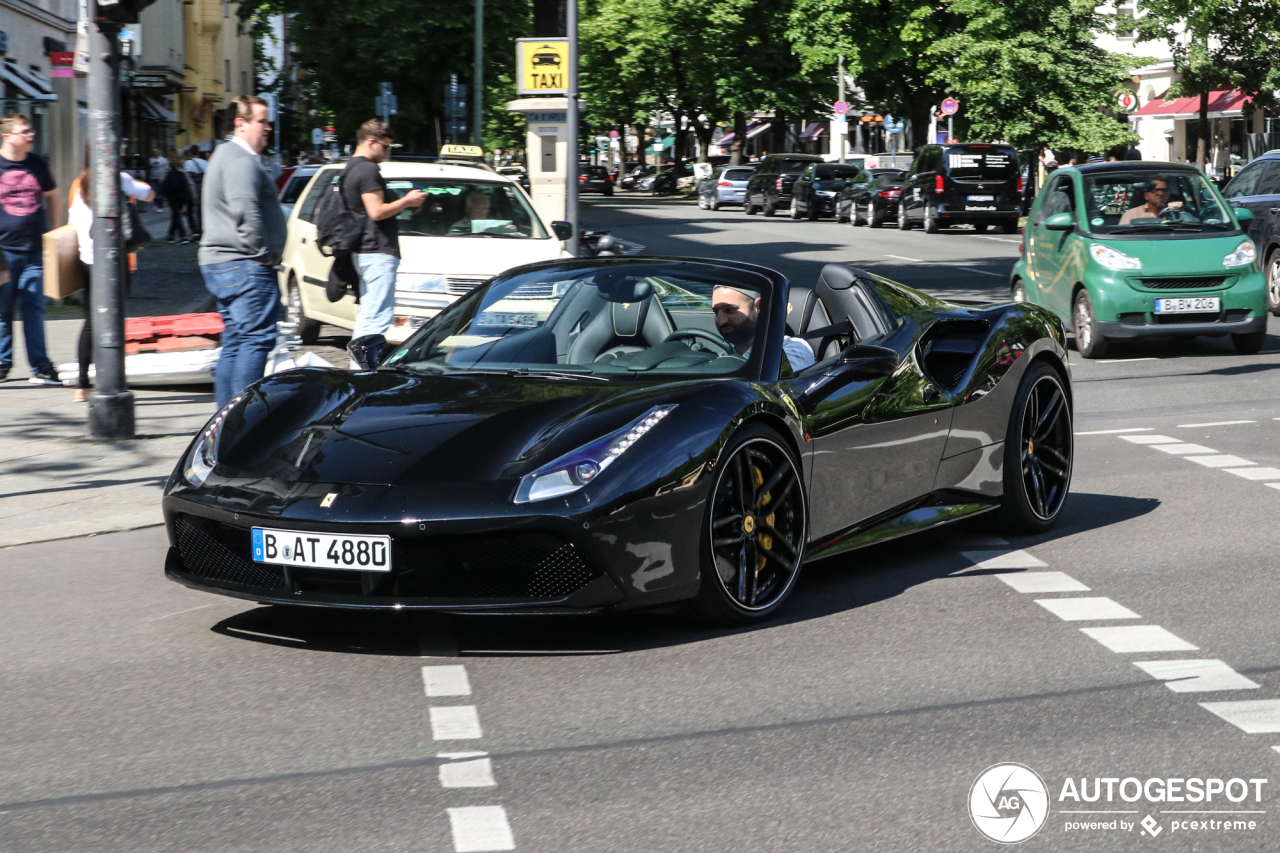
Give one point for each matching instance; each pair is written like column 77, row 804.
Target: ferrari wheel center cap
column 749, row 524
column 1031, row 447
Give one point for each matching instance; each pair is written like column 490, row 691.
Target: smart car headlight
column 574, row 470
column 1113, row 260
column 1245, row 253
column 204, row 455
column 422, row 283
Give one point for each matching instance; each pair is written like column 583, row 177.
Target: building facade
column 219, row 67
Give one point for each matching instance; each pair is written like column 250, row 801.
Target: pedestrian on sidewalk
column 157, row 167
column 195, row 166
column 177, row 188
column 374, row 207
column 81, row 216
column 242, row 241
column 25, row 187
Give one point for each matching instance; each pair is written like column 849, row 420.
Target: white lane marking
column 446, row 681
column 480, row 828
column 1272, row 485
column 1251, row 716
column 1151, row 439
column 1043, row 582
column 1116, row 431
column 1086, row 609
column 1255, row 473
column 1214, row 423
column 979, row 272
column 188, row 610
column 1124, row 360
column 437, row 646
column 901, row 258
column 1139, row 638
column 1003, row 560
column 455, row 722
column 466, row 773
column 996, row 239
column 1220, row 461
column 1183, row 448
column 1195, row 676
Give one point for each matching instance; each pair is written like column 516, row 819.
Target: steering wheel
column 701, row 334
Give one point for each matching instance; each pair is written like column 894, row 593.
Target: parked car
column 444, row 253
column 872, row 199
column 814, row 192
column 727, row 185
column 595, row 179
column 1138, row 249
column 970, row 183
column 292, row 188
column 1257, row 189
column 770, row 185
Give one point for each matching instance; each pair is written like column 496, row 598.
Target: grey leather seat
column 633, row 320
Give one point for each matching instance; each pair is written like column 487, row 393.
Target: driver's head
column 736, row 314
column 1156, row 193
column 477, row 205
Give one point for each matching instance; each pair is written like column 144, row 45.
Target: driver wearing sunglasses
column 1156, row 195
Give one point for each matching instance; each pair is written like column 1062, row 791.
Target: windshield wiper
column 523, row 371
column 409, row 371
column 1185, row 228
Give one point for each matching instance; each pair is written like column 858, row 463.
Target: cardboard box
column 62, row 275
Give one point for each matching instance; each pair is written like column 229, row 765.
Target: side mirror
column 1243, row 214
column 366, row 350
column 1061, row 222
column 562, row 230
column 868, row 361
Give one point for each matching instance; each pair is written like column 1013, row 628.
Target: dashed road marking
column 446, row 681
column 1123, row 360
column 1195, row 676
column 1215, row 423
column 466, row 770
column 1220, row 461
column 1180, row 449
column 1116, row 431
column 1251, row 716
column 901, row 258
column 1151, row 439
column 1255, row 473
column 480, row 828
column 1003, row 560
column 1043, row 582
column 1139, row 638
column 1086, row 609
column 455, row 722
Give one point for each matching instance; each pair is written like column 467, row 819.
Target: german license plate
column 982, row 198
column 322, row 550
column 1189, row 305
column 506, row 318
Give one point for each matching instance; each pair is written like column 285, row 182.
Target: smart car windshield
column 622, row 318
column 1146, row 201
column 467, row 208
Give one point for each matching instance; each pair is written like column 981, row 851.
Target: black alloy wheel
column 1038, row 453
column 1273, row 282
column 756, row 530
column 307, row 329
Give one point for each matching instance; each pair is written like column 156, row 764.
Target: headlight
column 205, row 453
column 1245, row 253
column 422, row 283
column 574, row 470
column 1113, row 260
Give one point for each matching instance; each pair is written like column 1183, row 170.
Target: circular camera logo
column 1008, row 803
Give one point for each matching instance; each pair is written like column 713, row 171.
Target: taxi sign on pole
column 840, row 108
column 950, row 106
column 543, row 65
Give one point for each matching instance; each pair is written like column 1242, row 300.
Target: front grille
column 1236, row 315
column 1200, row 283
column 1135, row 319
column 220, row 553
column 459, row 286
column 1185, row 319
column 525, row 565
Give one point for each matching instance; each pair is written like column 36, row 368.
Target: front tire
column 308, row 329
column 904, row 224
column 1038, row 453
column 1089, row 343
column 1273, row 283
column 755, row 531
column 1019, row 291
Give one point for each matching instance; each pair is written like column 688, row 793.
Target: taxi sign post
column 543, row 66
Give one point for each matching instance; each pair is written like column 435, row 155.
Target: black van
column 970, row 183
column 771, row 182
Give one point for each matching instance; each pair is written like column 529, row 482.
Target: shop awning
column 812, row 131
column 754, row 129
column 149, row 109
column 1224, row 102
column 27, row 84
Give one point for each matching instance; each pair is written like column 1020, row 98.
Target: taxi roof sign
column 461, row 151
column 543, row 65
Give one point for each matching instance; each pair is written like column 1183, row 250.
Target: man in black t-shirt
column 377, row 255
column 25, row 187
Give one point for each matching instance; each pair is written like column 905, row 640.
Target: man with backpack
column 375, row 241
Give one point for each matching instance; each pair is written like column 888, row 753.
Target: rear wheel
column 308, row 329
column 812, row 211
column 980, row 227
column 748, row 208
column 930, row 219
column 754, row 536
column 795, row 208
column 1038, row 453
column 1089, row 343
column 1250, row 343
column 904, row 224
column 769, row 209
column 1273, row 282
column 715, row 204
column 1010, row 227
column 876, row 217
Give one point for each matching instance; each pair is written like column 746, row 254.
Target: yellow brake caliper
column 765, row 539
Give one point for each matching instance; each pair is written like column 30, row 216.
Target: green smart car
column 1134, row 250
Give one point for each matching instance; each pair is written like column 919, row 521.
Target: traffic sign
column 543, row 65
column 317, row 136
column 1127, row 101
column 840, row 107
column 893, row 125
column 613, row 134
column 950, row 106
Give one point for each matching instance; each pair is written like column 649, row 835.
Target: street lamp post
column 477, row 78
column 571, row 96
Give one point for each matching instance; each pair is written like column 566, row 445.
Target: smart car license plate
column 982, row 198
column 1189, row 305
column 322, row 550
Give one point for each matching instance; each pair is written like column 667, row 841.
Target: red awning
column 1224, row 102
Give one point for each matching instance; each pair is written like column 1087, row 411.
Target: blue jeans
column 377, row 293
column 25, row 286
column 248, row 298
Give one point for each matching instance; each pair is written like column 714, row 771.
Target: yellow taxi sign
column 461, row 151
column 543, row 66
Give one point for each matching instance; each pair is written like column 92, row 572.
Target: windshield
column 461, row 208
column 835, row 173
column 293, row 189
column 737, row 175
column 1145, row 201
column 581, row 319
column 981, row 161
column 794, row 167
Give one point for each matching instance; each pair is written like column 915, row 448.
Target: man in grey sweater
column 242, row 241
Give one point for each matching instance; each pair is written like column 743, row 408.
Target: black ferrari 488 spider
column 591, row 435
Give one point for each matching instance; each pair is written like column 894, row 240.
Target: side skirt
column 917, row 517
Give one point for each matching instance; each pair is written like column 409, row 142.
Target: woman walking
column 177, row 190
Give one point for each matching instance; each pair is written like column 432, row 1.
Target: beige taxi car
column 474, row 225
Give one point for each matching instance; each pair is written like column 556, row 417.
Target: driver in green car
column 1156, row 196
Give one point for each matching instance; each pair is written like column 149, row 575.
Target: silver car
column 727, row 185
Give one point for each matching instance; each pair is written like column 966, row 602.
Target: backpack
column 337, row 235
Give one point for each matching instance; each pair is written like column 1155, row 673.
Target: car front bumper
column 1123, row 310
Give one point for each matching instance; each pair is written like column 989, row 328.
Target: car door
column 800, row 190
column 919, row 186
column 311, row 265
column 1257, row 188
column 1048, row 249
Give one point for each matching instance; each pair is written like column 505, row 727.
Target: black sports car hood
column 383, row 428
